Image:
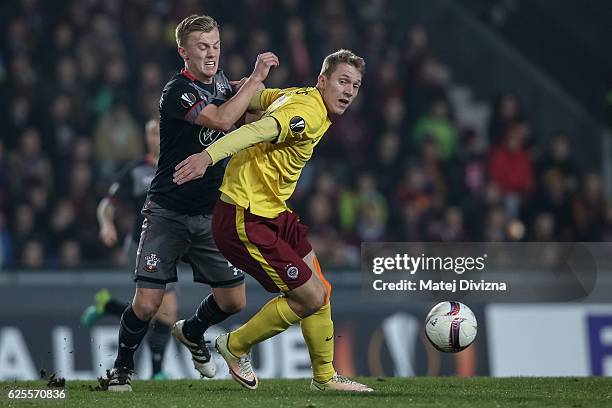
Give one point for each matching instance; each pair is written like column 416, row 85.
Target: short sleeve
column 268, row 96
column 182, row 103
column 298, row 119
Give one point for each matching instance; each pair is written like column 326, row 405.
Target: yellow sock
column 274, row 317
column 318, row 331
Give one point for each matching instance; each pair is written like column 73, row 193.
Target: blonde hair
column 331, row 62
column 151, row 125
column 194, row 23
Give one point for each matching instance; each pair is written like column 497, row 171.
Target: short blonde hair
column 331, row 62
column 194, row 23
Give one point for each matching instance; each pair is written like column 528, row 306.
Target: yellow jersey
column 263, row 176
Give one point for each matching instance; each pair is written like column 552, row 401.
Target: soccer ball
column 451, row 326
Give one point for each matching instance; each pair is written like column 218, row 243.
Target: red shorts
column 270, row 250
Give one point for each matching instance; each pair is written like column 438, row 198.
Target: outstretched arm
column 193, row 167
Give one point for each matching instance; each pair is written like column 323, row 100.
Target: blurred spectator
column 373, row 210
column 6, row 244
column 375, row 51
column 430, row 85
column 320, row 214
column 62, row 221
column 298, row 52
column 63, row 40
column 148, row 92
column 70, row 254
column 394, row 115
column 558, row 159
column 466, row 177
column 607, row 231
column 19, row 117
column 544, row 228
column 476, row 206
column 495, row 225
column 589, row 210
column 4, row 176
column 511, row 168
column 62, row 124
column 29, row 164
column 387, row 165
column 506, row 111
column 417, row 49
column 23, row 228
column 117, row 139
column 452, row 228
column 438, row 127
column 32, row 255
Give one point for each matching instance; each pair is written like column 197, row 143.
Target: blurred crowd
column 79, row 79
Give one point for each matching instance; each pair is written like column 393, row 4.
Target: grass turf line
column 440, row 392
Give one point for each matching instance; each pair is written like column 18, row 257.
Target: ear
column 182, row 52
column 321, row 81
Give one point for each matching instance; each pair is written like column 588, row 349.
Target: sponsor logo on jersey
column 187, row 100
column 209, row 136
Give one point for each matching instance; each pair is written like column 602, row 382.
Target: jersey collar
column 192, row 78
column 188, row 74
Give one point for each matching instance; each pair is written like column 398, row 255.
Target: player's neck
column 193, row 75
column 329, row 115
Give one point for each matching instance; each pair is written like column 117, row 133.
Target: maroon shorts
column 270, row 250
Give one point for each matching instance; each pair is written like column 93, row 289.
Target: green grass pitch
column 390, row 392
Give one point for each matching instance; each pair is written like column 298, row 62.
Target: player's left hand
column 192, row 168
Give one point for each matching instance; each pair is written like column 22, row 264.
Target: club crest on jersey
column 151, row 262
column 297, row 124
column 221, row 88
column 292, row 271
column 187, row 100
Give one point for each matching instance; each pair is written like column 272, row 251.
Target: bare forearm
column 231, row 111
column 105, row 212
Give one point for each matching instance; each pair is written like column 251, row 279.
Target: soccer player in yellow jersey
column 258, row 233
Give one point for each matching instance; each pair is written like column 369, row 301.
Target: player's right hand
column 108, row 234
column 263, row 64
column 192, row 168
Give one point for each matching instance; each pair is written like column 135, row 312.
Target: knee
column 318, row 301
column 314, row 302
column 233, row 305
column 145, row 309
